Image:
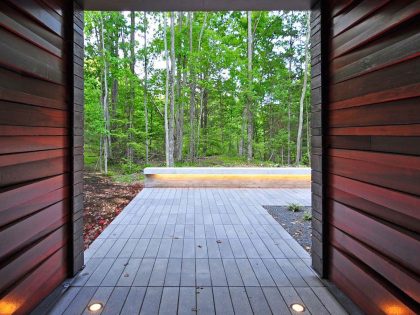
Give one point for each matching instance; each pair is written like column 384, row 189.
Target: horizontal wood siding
column 373, row 154
column 35, row 151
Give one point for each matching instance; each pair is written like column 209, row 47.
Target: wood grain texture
column 76, row 68
column 318, row 65
column 373, row 152
column 376, row 296
column 35, row 137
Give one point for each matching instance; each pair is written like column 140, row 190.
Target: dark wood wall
column 77, row 48
column 373, row 155
column 36, row 156
column 318, row 37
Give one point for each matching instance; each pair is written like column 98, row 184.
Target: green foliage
column 307, row 216
column 127, row 178
column 221, row 92
column 294, row 207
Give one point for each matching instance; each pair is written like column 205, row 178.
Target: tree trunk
column 242, row 139
column 105, row 98
column 100, row 154
column 205, row 120
column 179, row 126
column 308, row 134
column 202, row 31
column 199, row 124
column 165, row 25
column 249, row 96
column 289, row 110
column 200, row 116
column 132, row 93
column 113, row 113
column 181, row 114
column 192, row 90
column 172, row 99
column 302, row 97
column 146, row 114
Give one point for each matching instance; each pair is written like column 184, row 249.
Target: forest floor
column 104, row 199
column 297, row 224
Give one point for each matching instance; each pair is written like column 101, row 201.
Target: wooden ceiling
column 196, row 5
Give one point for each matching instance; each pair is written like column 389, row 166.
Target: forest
column 183, row 88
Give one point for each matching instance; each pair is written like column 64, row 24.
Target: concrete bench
column 228, row 177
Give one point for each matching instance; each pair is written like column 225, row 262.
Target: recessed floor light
column 94, row 307
column 297, row 307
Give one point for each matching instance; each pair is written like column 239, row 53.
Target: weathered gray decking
column 205, row 251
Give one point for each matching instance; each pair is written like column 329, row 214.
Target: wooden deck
column 199, row 251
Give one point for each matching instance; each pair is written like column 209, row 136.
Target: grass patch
column 127, row 178
column 293, row 207
column 307, row 216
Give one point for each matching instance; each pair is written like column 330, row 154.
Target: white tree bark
column 200, row 116
column 105, row 99
column 172, row 99
column 302, row 96
column 192, row 90
column 249, row 96
column 165, row 25
column 179, row 126
column 146, row 118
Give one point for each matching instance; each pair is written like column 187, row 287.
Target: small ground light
column 95, row 307
column 297, row 307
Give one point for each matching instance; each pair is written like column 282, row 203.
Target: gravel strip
column 294, row 223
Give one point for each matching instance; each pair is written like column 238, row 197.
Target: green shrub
column 307, row 216
column 294, row 207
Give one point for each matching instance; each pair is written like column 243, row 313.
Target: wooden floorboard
column 199, row 251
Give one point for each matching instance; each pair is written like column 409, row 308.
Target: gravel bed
column 294, row 223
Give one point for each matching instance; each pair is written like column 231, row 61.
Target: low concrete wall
column 232, row 177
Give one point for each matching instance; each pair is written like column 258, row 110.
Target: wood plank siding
column 318, row 37
column 38, row 148
column 372, row 131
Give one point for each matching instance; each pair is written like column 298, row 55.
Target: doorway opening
column 193, row 89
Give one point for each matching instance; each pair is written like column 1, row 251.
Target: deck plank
column 187, row 301
column 169, row 302
column 151, row 301
column 173, row 273
column 205, row 302
column 80, row 301
column 275, row 301
column 116, row 301
column 257, row 300
column 240, row 301
column 134, row 300
column 222, row 301
column 199, row 251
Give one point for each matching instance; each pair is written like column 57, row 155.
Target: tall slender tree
column 192, row 89
column 249, row 108
column 302, row 96
column 132, row 87
column 202, row 94
column 172, row 99
column 179, row 126
column 105, row 138
column 146, row 112
column 165, row 40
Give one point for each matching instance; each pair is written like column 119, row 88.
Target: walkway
column 199, row 251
